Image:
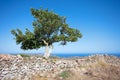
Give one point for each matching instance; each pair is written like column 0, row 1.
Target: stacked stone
column 12, row 67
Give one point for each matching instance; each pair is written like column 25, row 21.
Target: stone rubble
column 19, row 68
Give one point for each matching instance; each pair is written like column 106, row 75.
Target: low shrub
column 24, row 55
column 64, row 74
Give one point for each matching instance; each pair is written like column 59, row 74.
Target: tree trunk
column 48, row 50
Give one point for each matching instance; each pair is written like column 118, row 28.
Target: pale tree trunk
column 48, row 50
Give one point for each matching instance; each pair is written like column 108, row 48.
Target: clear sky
column 98, row 21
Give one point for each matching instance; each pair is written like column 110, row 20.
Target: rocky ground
column 95, row 67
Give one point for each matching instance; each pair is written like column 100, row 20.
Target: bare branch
column 45, row 42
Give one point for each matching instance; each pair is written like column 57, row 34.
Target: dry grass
column 38, row 77
column 100, row 63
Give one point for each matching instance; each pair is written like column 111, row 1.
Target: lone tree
column 48, row 28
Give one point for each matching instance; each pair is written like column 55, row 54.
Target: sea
column 68, row 55
column 65, row 55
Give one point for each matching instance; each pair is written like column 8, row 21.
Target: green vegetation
column 54, row 57
column 24, row 55
column 48, row 28
column 64, row 74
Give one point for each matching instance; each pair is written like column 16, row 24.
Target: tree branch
column 45, row 42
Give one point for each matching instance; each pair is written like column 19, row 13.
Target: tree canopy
column 47, row 26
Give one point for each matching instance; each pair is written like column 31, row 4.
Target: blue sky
column 98, row 21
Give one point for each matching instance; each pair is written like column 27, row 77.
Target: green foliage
column 54, row 57
column 24, row 55
column 64, row 74
column 47, row 26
